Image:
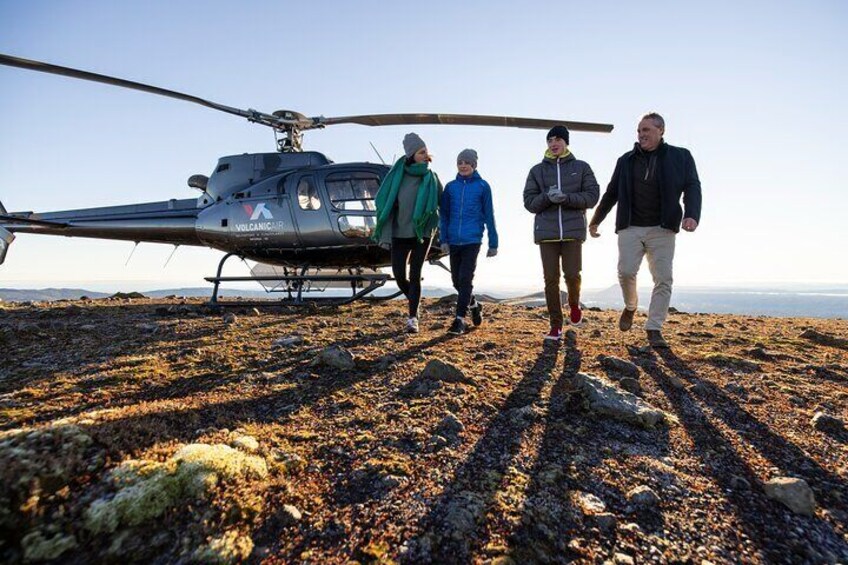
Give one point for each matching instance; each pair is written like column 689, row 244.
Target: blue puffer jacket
column 465, row 209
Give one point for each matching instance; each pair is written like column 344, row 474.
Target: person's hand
column 445, row 248
column 492, row 252
column 557, row 197
column 593, row 230
column 689, row 224
column 385, row 245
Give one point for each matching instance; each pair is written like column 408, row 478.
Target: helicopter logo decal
column 259, row 212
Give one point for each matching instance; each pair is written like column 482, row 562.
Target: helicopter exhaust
column 6, row 237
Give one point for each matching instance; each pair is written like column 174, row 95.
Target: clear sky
column 756, row 90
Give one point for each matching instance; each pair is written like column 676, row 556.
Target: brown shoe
column 655, row 339
column 625, row 322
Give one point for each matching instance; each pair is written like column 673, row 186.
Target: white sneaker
column 412, row 326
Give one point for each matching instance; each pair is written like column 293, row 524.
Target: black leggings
column 409, row 250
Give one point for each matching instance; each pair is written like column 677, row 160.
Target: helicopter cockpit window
column 352, row 191
column 307, row 195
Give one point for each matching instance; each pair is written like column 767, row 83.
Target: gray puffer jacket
column 566, row 220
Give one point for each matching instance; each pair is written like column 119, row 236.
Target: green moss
column 40, row 460
column 732, row 362
column 230, row 547
column 222, row 459
column 38, row 548
column 146, row 489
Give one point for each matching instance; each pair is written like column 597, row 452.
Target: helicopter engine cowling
column 235, row 173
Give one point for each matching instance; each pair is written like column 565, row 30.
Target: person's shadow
column 761, row 521
column 453, row 531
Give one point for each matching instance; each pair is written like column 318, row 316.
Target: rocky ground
column 161, row 431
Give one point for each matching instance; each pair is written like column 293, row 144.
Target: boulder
column 630, row 385
column 604, row 398
column 287, row 341
column 620, row 366
column 438, row 370
column 796, row 494
column 643, row 496
column 335, row 356
column 450, row 425
column 827, row 423
column 589, row 504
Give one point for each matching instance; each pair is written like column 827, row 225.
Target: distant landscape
column 791, row 300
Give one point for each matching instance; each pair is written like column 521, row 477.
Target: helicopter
column 304, row 219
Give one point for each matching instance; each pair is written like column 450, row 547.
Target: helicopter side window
column 307, row 195
column 352, row 191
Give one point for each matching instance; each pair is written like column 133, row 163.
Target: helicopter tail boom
column 171, row 221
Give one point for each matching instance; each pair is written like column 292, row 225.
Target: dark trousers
column 570, row 255
column 408, row 250
column 463, row 263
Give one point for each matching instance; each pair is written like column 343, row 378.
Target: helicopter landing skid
column 295, row 285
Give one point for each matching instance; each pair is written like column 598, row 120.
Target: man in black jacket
column 647, row 184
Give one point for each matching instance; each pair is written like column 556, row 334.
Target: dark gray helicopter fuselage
column 281, row 208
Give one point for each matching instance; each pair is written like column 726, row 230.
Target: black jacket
column 676, row 175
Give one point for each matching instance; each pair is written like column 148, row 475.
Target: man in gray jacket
column 558, row 191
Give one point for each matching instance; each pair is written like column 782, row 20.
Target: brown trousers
column 570, row 254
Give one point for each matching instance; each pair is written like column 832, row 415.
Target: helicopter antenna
column 171, row 255
column 131, row 254
column 377, row 152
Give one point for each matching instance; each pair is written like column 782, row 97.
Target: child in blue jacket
column 464, row 210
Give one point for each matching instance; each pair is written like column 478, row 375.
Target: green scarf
column 552, row 157
column 425, row 215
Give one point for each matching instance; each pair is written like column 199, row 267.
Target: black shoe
column 655, row 339
column 625, row 322
column 457, row 327
column 476, row 313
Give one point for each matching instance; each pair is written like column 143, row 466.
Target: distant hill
column 47, row 294
column 824, row 302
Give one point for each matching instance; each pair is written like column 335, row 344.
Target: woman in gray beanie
column 407, row 217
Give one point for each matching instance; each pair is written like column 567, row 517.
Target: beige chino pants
column 658, row 244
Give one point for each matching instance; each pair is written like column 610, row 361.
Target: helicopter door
column 352, row 199
column 310, row 213
column 261, row 218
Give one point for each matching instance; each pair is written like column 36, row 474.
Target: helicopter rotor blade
column 463, row 119
column 251, row 115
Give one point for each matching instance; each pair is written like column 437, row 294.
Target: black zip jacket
column 676, row 176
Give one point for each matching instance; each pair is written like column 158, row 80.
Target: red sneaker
column 555, row 334
column 576, row 317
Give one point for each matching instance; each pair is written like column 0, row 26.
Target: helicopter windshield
column 352, row 191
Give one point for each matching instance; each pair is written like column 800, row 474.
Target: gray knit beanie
column 411, row 144
column 468, row 155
